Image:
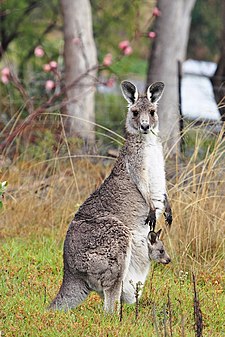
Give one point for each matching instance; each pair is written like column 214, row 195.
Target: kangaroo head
column 142, row 108
column 156, row 249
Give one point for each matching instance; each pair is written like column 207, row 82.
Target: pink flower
column 124, row 44
column 46, row 68
column 152, row 35
column 156, row 12
column 110, row 82
column 107, row 61
column 49, row 85
column 53, row 65
column 39, row 51
column 125, row 47
column 5, row 79
column 5, row 71
column 128, row 50
column 5, row 75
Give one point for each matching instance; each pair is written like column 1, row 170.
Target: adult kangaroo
column 106, row 247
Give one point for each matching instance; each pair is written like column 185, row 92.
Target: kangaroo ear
column 152, row 237
column 129, row 91
column 154, row 91
column 158, row 233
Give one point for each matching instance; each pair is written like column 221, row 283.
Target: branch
column 6, row 39
column 38, row 111
column 28, row 101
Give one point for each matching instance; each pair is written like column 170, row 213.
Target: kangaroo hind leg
column 112, row 297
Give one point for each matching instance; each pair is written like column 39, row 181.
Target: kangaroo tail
column 73, row 291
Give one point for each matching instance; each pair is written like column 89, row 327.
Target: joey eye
column 161, row 251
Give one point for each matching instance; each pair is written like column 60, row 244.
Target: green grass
column 31, row 273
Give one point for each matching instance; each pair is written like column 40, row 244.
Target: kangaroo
column 102, row 271
column 105, row 248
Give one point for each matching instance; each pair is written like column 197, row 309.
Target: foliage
column 130, row 65
column 109, row 113
column 34, row 23
column 116, row 21
column 26, row 23
column 206, row 27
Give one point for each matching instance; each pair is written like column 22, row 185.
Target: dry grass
column 197, row 192
column 44, row 194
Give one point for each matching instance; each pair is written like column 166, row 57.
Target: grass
column 42, row 196
column 31, row 274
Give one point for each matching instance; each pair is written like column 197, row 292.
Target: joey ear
column 155, row 91
column 129, row 91
column 158, row 233
column 152, row 237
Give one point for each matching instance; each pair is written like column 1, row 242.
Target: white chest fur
column 139, row 264
column 153, row 167
column 154, row 172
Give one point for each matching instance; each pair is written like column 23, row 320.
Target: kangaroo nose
column 145, row 126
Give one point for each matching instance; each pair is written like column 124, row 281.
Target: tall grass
column 53, row 183
column 197, row 191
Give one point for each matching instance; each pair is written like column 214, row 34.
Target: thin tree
column 80, row 57
column 170, row 46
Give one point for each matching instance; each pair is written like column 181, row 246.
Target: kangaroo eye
column 161, row 251
column 135, row 112
column 152, row 112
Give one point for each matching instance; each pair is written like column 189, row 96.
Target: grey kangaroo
column 106, row 247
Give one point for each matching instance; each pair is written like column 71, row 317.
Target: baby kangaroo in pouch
column 108, row 246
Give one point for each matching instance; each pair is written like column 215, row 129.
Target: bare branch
column 38, row 111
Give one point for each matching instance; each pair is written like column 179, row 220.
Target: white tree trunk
column 80, row 57
column 172, row 29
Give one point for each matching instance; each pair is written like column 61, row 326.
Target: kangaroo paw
column 151, row 220
column 168, row 212
column 168, row 218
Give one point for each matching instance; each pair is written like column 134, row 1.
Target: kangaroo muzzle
column 144, row 128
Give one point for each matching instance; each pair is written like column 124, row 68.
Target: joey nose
column 168, row 260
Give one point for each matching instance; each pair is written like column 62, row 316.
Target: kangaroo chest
column 153, row 172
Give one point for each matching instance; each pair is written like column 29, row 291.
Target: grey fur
column 106, row 245
column 156, row 249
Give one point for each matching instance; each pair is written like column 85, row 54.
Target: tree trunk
column 218, row 80
column 80, row 58
column 169, row 47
